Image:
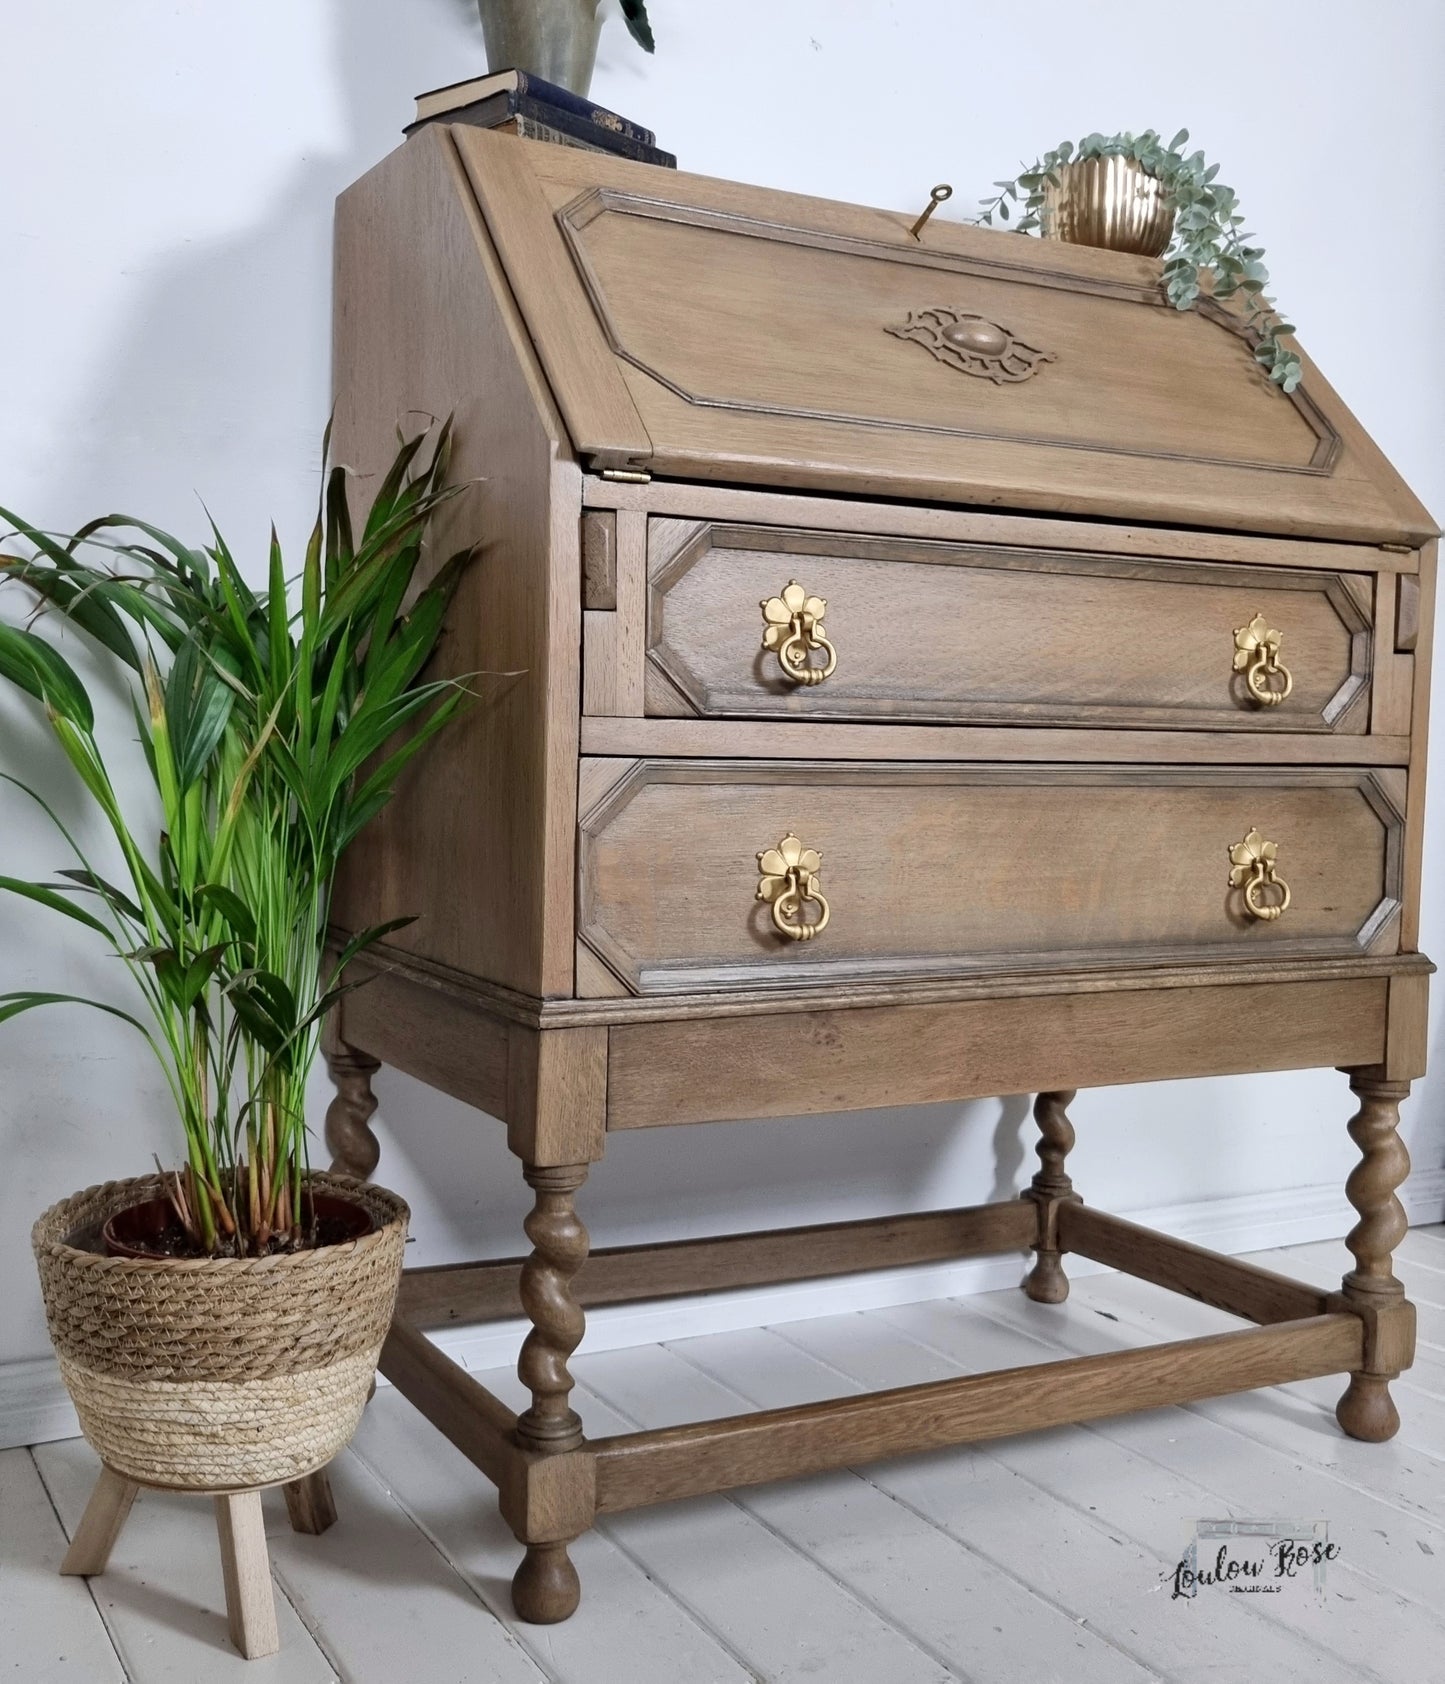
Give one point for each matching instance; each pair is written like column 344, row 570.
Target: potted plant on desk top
column 1137, row 193
column 218, row 1324
column 554, row 39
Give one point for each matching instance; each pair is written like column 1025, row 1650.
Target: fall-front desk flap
column 700, row 329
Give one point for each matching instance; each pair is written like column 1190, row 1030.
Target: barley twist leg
column 355, row 1150
column 1046, row 1282
column 546, row 1588
column 1367, row 1411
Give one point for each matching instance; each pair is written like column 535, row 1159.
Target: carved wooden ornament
column 973, row 344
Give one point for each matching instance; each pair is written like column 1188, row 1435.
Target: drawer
column 922, row 630
column 953, row 870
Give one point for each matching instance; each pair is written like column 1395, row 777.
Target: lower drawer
column 908, row 870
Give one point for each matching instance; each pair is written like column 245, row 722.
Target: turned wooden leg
column 1046, row 1282
column 309, row 1504
column 355, row 1150
column 250, row 1602
column 546, row 1587
column 1366, row 1410
column 100, row 1525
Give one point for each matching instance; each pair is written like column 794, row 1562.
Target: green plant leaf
column 232, row 908
column 57, row 902
column 113, row 897
column 29, row 662
column 11, row 1005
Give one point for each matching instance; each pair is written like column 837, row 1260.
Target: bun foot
column 546, row 1588
column 1046, row 1282
column 1367, row 1411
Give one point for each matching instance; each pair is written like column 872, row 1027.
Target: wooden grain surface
column 677, row 1462
column 480, row 1425
column 1419, row 742
column 1243, row 1289
column 956, row 868
column 796, row 381
column 424, row 325
column 843, row 513
column 952, row 632
column 706, row 1069
column 478, row 1292
column 769, row 739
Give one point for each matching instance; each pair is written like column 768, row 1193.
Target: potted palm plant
column 218, row 1323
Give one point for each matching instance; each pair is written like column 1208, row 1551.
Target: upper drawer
column 924, row 630
column 708, row 330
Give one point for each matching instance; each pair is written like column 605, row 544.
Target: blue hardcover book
column 528, row 115
column 520, row 84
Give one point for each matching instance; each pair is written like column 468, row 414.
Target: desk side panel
column 478, row 844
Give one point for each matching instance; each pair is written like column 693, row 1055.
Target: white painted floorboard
column 51, row 1631
column 1039, row 1560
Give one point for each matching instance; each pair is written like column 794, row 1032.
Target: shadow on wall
column 220, row 381
column 219, row 385
column 469, row 1198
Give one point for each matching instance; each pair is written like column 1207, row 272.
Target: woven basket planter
column 218, row 1374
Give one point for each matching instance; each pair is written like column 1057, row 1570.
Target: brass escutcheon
column 1256, row 655
column 1252, row 869
column 789, row 878
column 793, row 627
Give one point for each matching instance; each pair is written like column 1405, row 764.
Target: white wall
column 164, row 306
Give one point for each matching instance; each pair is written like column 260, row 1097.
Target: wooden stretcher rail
column 479, row 1292
column 459, row 1407
column 657, row 1467
column 1256, row 1294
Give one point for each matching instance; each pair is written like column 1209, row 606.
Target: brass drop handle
column 1256, row 655
column 793, row 628
column 789, row 879
column 1252, row 868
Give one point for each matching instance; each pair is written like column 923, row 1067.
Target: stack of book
column 522, row 104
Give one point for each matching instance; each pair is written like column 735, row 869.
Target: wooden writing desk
column 913, row 671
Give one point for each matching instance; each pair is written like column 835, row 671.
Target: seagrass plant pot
column 217, row 1374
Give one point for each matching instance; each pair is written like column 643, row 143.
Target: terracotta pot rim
column 54, row 1228
column 115, row 1246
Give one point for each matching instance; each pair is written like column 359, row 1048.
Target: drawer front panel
column 949, row 870
column 957, row 632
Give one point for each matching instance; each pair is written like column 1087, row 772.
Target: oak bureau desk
column 912, row 671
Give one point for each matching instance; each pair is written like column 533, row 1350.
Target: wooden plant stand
column 245, row 1564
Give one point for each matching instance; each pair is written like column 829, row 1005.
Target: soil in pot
column 150, row 1229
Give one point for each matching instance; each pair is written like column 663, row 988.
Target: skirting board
column 34, row 1407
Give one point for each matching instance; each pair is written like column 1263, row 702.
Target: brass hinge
column 628, row 476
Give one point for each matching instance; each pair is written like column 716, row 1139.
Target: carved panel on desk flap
column 771, row 318
column 972, row 344
column 996, row 634
column 956, row 870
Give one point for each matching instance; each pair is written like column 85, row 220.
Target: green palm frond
column 274, row 724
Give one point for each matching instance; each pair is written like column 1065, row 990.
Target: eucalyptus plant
column 270, row 733
column 1208, row 231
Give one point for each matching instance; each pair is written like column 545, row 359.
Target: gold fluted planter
column 1108, row 202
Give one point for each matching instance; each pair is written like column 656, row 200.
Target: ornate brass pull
column 1252, row 869
column 793, row 626
column 790, row 877
column 1256, row 655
